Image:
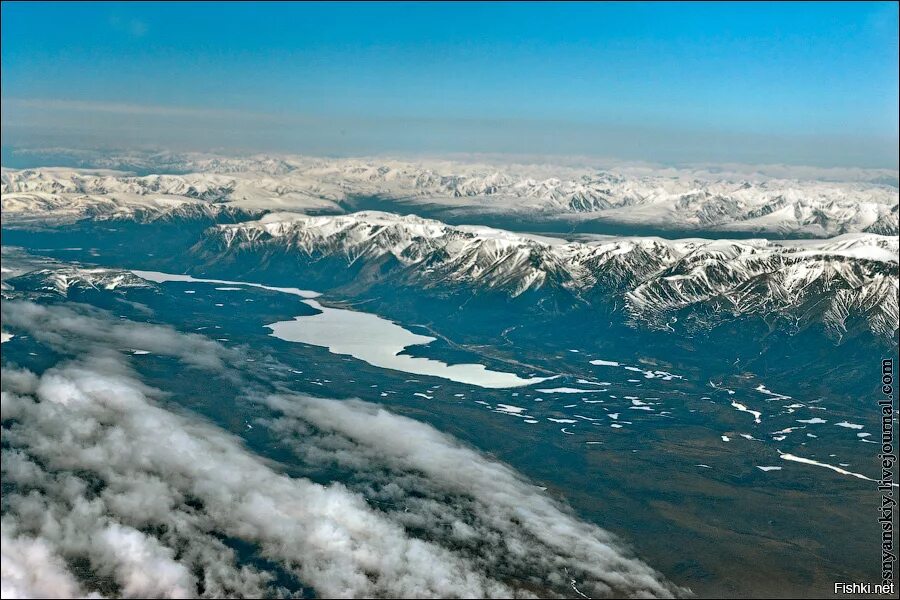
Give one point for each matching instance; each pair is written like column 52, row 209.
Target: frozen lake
column 364, row 336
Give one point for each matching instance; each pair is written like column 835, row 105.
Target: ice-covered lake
column 364, row 336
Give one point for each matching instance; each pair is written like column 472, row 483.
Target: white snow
column 604, row 363
column 729, row 197
column 567, row 390
column 509, row 408
column 743, row 408
column 809, row 461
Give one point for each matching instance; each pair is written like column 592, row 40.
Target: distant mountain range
column 288, row 216
column 678, row 199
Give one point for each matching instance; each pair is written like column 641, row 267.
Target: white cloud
column 29, row 568
column 91, row 425
column 93, row 331
column 499, row 515
column 100, row 474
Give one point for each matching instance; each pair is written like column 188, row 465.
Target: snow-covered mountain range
column 46, row 275
column 299, row 207
column 833, row 282
column 683, row 199
column 60, row 279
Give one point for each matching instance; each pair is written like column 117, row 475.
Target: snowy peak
column 490, row 257
column 60, row 279
column 829, row 282
column 667, row 198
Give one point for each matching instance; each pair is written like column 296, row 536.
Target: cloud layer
column 106, row 492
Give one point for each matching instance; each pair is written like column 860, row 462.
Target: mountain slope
column 686, row 199
column 839, row 284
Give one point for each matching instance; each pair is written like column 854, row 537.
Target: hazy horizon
column 778, row 84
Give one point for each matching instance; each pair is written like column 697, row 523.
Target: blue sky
column 796, row 83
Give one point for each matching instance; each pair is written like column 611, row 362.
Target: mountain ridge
column 683, row 199
column 828, row 282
